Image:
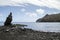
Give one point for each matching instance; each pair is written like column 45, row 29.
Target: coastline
column 15, row 33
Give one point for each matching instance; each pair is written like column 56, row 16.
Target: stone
column 8, row 20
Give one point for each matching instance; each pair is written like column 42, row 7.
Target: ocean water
column 42, row 26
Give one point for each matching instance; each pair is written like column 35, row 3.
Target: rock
column 8, row 20
column 50, row 18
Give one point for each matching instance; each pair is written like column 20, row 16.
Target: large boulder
column 8, row 20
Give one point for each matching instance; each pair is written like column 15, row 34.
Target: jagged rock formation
column 50, row 18
column 8, row 20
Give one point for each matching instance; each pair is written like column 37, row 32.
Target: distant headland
column 50, row 18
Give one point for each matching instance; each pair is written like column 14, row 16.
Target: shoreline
column 15, row 33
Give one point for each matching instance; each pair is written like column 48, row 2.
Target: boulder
column 8, row 20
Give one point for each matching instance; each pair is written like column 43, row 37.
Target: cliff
column 50, row 18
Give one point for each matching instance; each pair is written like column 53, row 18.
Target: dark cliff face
column 50, row 18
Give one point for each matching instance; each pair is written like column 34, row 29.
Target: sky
column 28, row 10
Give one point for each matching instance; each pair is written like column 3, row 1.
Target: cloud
column 23, row 10
column 54, row 13
column 40, row 11
column 1, row 15
column 10, row 2
column 31, row 17
column 34, row 15
column 48, row 3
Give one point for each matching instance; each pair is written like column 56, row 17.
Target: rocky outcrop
column 50, row 18
column 8, row 20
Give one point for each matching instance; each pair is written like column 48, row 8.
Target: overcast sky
column 28, row 10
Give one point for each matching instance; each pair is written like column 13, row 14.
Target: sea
column 42, row 26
